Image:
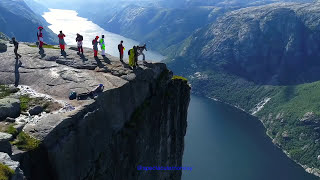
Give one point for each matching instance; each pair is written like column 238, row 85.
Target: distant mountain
column 273, row 44
column 36, row 7
column 264, row 60
column 17, row 19
column 160, row 27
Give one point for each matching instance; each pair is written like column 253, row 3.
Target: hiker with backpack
column 131, row 56
column 62, row 42
column 79, row 40
column 121, row 49
column 135, row 48
column 103, row 46
column 95, row 46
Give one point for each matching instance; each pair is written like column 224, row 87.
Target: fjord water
column 224, row 143
column 70, row 23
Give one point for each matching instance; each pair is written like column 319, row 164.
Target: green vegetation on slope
column 45, row 46
column 5, row 172
column 11, row 130
column 179, row 77
column 287, row 120
column 26, row 142
column 4, row 91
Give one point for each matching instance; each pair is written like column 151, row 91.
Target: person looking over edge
column 121, row 49
column 140, row 51
column 103, row 46
column 79, row 40
column 16, row 46
column 61, row 42
column 40, row 38
column 95, row 46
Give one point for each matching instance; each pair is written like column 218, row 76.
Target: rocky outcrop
column 5, row 145
column 6, row 160
column 139, row 118
column 9, row 107
column 3, row 47
column 36, row 110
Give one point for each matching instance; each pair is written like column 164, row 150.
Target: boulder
column 3, row 47
column 9, row 107
column 10, row 120
column 36, row 110
column 5, row 145
column 6, row 160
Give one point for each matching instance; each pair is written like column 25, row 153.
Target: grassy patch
column 25, row 142
column 45, row 46
column 11, row 130
column 179, row 77
column 5, row 172
column 4, row 91
column 24, row 102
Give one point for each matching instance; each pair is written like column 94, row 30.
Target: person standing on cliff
column 16, row 46
column 61, row 42
column 40, row 38
column 131, row 57
column 135, row 48
column 121, row 49
column 103, row 46
column 79, row 40
column 95, row 46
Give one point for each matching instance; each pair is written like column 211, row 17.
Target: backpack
column 81, row 38
column 93, row 42
column 73, row 95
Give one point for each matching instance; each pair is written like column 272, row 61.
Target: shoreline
column 310, row 170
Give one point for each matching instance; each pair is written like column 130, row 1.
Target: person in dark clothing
column 140, row 51
column 16, row 46
column 79, row 40
column 121, row 49
column 135, row 48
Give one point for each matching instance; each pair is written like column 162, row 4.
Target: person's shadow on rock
column 107, row 60
column 99, row 63
column 16, row 72
column 83, row 57
column 64, row 54
column 42, row 54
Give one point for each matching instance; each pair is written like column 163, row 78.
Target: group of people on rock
column 133, row 53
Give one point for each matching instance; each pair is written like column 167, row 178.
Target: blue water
column 224, row 143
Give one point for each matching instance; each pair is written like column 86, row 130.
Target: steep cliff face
column 139, row 119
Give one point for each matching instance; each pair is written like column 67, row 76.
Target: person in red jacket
column 121, row 49
column 95, row 46
column 61, row 42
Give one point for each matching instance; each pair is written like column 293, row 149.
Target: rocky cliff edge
column 139, row 118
